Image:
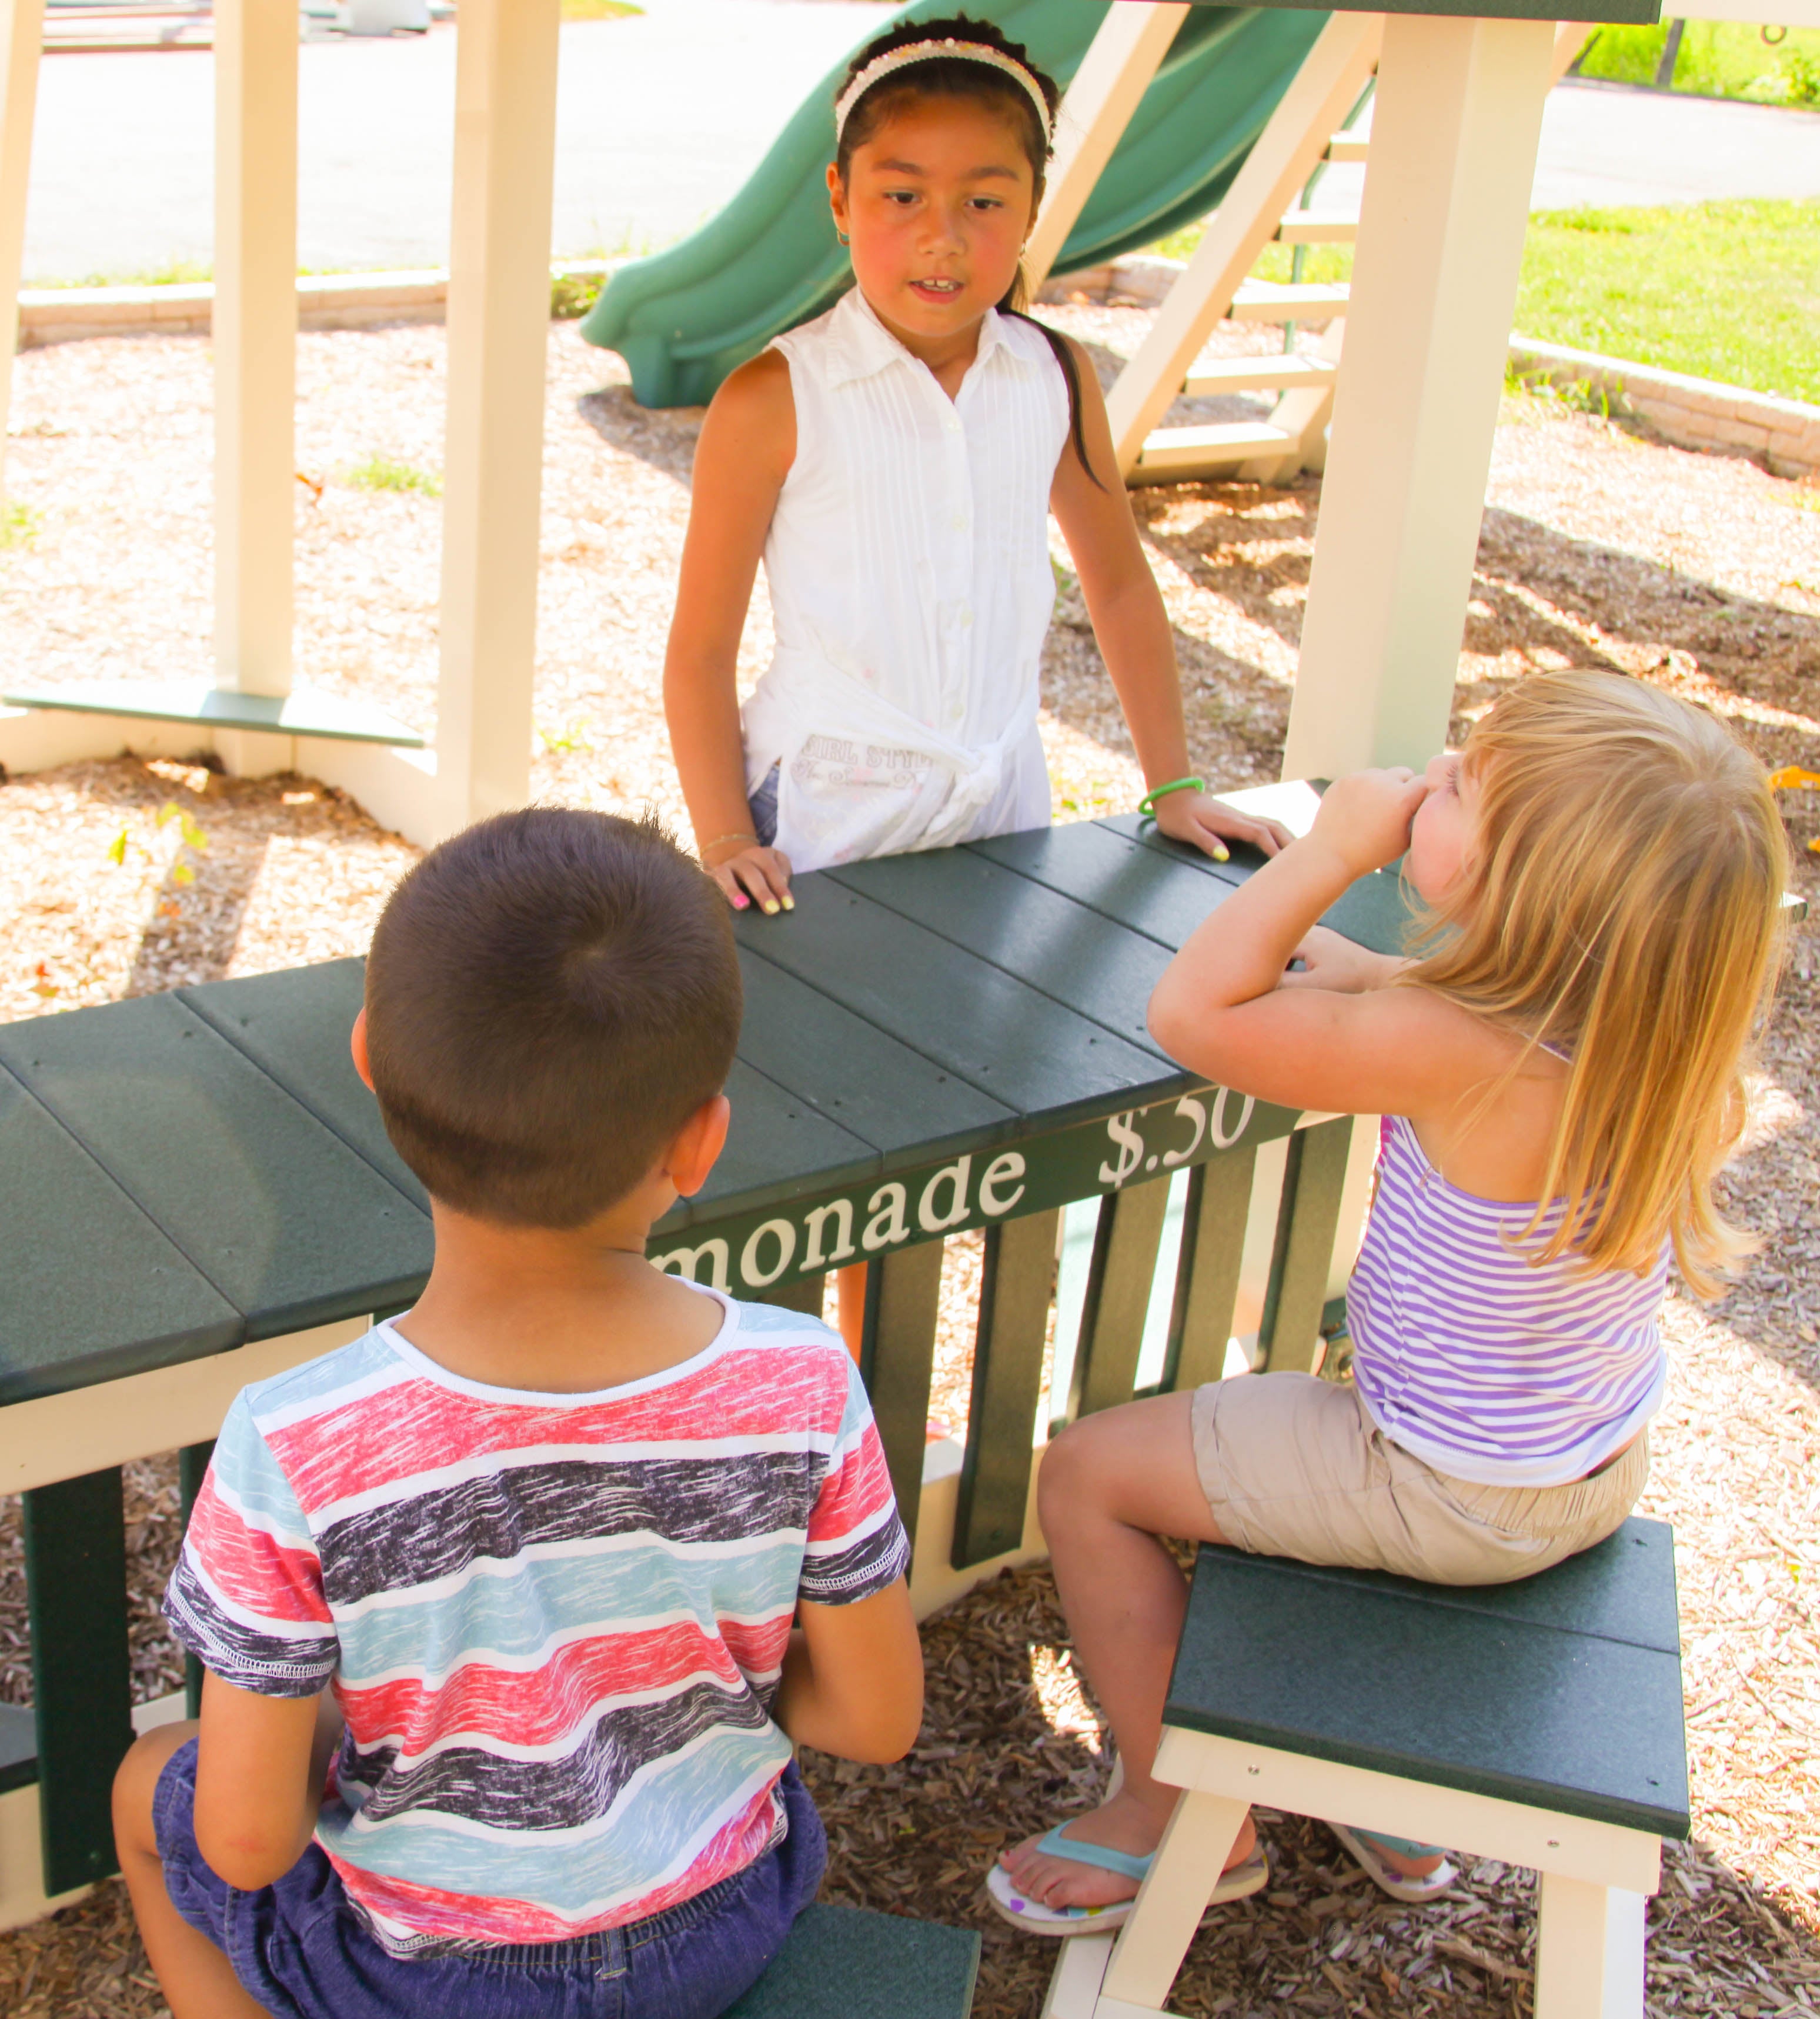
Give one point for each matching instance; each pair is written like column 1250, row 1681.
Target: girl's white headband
column 894, row 60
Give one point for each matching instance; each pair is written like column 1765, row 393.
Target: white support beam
column 21, row 38
column 1294, row 139
column 256, row 342
column 499, row 329
column 1114, row 73
column 1455, row 129
column 1589, row 1951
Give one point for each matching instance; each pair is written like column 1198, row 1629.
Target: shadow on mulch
column 1010, row 1745
column 663, row 437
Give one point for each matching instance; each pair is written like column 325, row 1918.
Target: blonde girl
column 1559, row 1071
column 895, row 463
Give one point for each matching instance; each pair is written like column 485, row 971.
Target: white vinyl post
column 1455, row 129
column 499, row 329
column 254, row 341
column 21, row 38
column 1114, row 73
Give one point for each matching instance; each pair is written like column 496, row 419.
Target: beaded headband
column 894, row 60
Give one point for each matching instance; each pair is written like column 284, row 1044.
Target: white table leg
column 1172, row 1900
column 1589, row 1953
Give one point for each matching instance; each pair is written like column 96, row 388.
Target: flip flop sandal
column 1367, row 1848
column 1034, row 1919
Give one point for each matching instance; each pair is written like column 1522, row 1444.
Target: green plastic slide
column 686, row 317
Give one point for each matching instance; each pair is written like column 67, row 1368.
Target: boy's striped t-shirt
column 555, row 1623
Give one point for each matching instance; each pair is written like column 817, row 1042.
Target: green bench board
column 305, row 712
column 845, row 1962
column 1562, row 1691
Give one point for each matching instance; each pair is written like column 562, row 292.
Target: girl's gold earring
column 843, row 238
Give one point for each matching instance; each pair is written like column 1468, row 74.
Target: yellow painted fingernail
column 771, row 907
column 789, row 904
column 1222, row 852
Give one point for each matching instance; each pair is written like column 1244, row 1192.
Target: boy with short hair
column 540, row 1540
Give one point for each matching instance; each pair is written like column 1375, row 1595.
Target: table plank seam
column 928, row 1058
column 1099, row 911
column 132, row 1198
column 1145, row 1043
column 187, row 997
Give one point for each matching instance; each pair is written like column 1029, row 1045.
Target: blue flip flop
column 1367, row 1847
column 1034, row 1919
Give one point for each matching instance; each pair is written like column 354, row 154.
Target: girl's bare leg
column 1110, row 1484
column 198, row 1980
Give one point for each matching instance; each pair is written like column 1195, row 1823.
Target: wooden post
column 1294, row 139
column 21, row 38
column 1454, row 136
column 499, row 326
column 255, row 343
column 1114, row 73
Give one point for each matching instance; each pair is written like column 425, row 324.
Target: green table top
column 931, row 1042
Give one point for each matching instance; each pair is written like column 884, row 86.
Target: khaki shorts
column 1293, row 1466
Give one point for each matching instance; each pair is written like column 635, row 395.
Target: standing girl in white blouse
column 895, row 462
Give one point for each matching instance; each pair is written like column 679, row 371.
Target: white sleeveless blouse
column 910, row 578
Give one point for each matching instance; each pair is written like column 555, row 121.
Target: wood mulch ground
column 1600, row 546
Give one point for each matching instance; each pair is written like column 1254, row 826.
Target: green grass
column 1725, row 291
column 598, row 10
column 386, row 472
column 1716, row 59
column 19, row 525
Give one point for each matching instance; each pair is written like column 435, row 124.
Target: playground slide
column 684, row 318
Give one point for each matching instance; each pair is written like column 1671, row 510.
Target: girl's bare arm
column 1222, row 1008
column 748, row 442
column 1132, row 628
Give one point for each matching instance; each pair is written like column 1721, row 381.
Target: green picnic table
column 932, row 1043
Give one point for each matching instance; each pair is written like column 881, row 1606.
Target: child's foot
column 1119, row 1824
column 1405, row 1870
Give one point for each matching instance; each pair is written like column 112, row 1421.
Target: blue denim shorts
column 763, row 803
column 300, row 1949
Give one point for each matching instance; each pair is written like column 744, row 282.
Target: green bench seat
column 1538, row 1722
column 846, row 1963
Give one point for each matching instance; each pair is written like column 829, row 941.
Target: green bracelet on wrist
column 1148, row 804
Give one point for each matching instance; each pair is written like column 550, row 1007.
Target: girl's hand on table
column 1208, row 823
column 1331, row 961
column 754, row 875
column 1364, row 817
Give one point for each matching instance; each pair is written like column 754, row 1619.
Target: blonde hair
column 1620, row 904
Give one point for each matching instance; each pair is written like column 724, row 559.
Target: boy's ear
column 697, row 1145
column 356, row 1043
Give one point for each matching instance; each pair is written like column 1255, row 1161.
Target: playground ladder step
column 1315, row 227
column 1174, row 453
column 1257, row 374
column 1349, row 148
column 1271, row 301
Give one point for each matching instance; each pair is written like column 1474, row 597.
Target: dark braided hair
column 955, row 77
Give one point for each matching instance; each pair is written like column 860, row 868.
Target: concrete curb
column 324, row 301
column 1695, row 413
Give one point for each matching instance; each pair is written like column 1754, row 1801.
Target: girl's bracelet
column 1148, row 804
column 719, row 838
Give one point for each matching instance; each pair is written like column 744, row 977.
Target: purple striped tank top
column 1483, row 1365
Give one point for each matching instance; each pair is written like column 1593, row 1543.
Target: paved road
column 661, row 119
